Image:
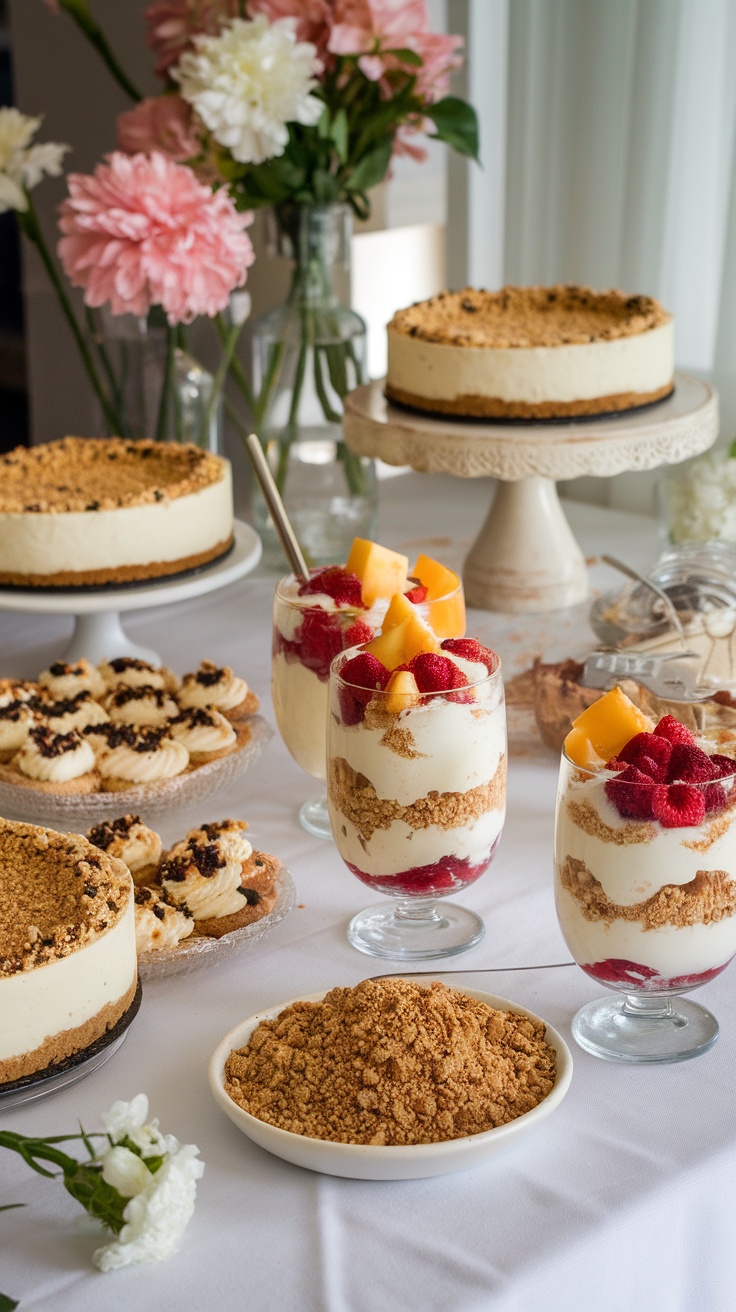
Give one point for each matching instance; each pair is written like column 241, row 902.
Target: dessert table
column 626, row 1193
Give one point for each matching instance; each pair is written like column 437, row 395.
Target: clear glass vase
column 158, row 389
column 307, row 355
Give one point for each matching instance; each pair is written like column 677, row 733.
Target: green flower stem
column 116, row 385
column 732, row 450
column 83, row 1180
column 78, row 11
column 229, row 343
column 166, row 385
column 31, row 227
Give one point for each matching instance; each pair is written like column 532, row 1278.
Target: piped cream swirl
column 66, row 680
column 204, row 877
column 54, row 758
column 140, row 706
column 158, row 923
column 212, row 685
column 202, row 730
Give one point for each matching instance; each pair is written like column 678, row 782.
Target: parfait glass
column 308, row 632
column 647, row 906
column 417, row 794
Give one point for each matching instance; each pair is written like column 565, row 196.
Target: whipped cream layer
column 670, row 950
column 168, row 530
column 390, row 852
column 61, row 995
column 300, row 701
column 437, row 371
column 651, row 857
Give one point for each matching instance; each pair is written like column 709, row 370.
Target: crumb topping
column 50, row 744
column 517, row 317
column 389, row 1062
column 104, row 835
column 89, row 474
column 122, row 696
column 57, row 893
column 127, row 735
column 205, row 857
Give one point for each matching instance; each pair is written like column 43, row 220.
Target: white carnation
column 701, row 499
column 125, row 1171
column 156, row 1218
column 248, row 82
column 22, row 165
column 126, row 1120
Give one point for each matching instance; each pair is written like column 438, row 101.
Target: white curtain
column 618, row 166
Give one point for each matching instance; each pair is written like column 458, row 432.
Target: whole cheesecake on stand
column 88, row 511
column 530, row 353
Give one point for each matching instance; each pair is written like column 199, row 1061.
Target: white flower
column 125, row 1171
column 22, row 165
column 126, row 1120
column 702, row 499
column 155, row 1219
column 248, row 82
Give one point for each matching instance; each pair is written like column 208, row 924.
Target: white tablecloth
column 626, row 1194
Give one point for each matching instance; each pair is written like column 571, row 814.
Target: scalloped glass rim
column 150, row 801
column 192, row 953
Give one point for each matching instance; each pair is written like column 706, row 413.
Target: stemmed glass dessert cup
column 308, row 632
column 416, row 789
column 645, row 889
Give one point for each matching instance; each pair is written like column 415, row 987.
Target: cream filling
column 392, row 851
column 62, row 686
column 88, row 713
column 152, row 934
column 166, row 761
column 671, row 950
column 205, row 737
column 632, row 872
column 55, row 769
column 141, row 847
column 132, row 677
column 143, row 711
column 164, row 531
column 36, row 1005
column 228, row 692
column 13, row 733
column 209, row 896
column 300, row 702
column 642, row 363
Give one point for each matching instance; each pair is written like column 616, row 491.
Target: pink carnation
column 172, row 25
column 314, row 18
column 160, row 123
column 368, row 27
column 142, row 231
column 53, row 5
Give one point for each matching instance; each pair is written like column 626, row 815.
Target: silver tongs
column 654, row 672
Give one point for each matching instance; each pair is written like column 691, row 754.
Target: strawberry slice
column 365, row 675
column 435, row 673
column 356, row 634
column 673, row 731
column 677, row 806
column 471, row 650
column 319, row 641
column 688, row 764
column 417, row 594
column 631, row 793
column 336, row 582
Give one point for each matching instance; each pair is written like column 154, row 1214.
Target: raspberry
column 335, row 582
column 650, row 746
column 725, row 765
column 416, row 595
column 673, row 731
column 356, row 634
column 471, row 650
column 653, row 769
column 320, row 641
column 688, row 764
column 435, row 673
column 631, row 794
column 715, row 798
column 366, row 675
column 678, row 805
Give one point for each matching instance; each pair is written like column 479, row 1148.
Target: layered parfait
column 645, row 850
column 416, row 758
column 337, row 608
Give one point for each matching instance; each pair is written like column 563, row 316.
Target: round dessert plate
column 369, row 1161
column 77, row 812
column 75, row 1069
column 195, row 952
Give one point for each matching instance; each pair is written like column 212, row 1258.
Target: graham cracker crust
column 493, row 407
column 119, row 574
column 356, row 799
column 709, row 897
column 70, row 1046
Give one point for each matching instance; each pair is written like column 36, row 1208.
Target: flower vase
column 158, row 389
column 307, row 355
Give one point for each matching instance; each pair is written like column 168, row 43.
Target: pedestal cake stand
column 525, row 557
column 98, row 631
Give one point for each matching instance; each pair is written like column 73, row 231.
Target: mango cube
column 381, row 572
column 400, row 609
column 398, row 645
column 446, row 611
column 401, row 692
column 605, row 727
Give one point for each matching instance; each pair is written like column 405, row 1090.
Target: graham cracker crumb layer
column 88, row 474
column 355, row 797
column 389, row 1063
column 709, row 897
column 527, row 317
column 58, row 893
column 69, row 1043
column 587, row 818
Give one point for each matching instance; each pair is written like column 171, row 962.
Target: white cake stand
column 98, row 631
column 525, row 557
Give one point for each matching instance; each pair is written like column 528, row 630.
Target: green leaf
column 372, row 168
column 456, row 123
column 406, row 56
column 7, row 1304
column 8, row 1207
column 97, row 1197
column 339, row 135
column 732, row 450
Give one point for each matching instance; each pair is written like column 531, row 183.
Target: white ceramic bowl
column 370, row 1162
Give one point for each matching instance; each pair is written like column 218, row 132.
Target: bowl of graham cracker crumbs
column 390, row 1080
